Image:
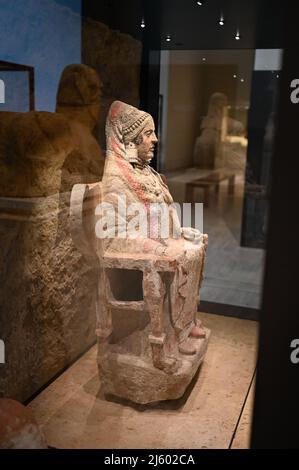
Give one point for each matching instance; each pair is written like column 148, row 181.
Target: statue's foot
column 187, row 348
column 197, row 332
column 169, row 365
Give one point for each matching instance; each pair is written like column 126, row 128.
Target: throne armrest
column 139, row 261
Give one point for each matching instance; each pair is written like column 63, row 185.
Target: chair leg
column 154, row 295
column 103, row 313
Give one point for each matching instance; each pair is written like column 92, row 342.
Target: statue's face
column 146, row 142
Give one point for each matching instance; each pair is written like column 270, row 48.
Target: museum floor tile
column 214, row 413
column 233, row 273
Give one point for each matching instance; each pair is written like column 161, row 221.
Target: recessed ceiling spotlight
column 168, row 38
column 277, row 76
column 199, row 3
column 221, row 21
column 242, row 80
column 237, row 36
column 142, row 23
column 204, row 59
column 235, row 76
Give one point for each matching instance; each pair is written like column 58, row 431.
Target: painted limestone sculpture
column 150, row 339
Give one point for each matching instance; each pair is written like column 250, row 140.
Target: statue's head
column 136, row 130
column 218, row 101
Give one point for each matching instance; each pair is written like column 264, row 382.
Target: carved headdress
column 124, row 124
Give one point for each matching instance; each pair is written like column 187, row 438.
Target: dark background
column 191, row 26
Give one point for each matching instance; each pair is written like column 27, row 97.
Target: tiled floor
column 241, row 439
column 74, row 414
column 233, row 274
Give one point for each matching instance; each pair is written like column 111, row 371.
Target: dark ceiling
column 191, row 26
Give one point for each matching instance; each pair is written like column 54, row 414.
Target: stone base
column 136, row 379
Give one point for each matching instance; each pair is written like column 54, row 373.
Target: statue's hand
column 192, row 234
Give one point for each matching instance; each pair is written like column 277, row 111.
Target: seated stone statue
column 131, row 140
column 150, row 339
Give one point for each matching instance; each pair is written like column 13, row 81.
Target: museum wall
column 183, row 121
column 190, row 87
column 43, row 34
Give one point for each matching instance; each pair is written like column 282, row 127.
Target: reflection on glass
column 16, row 91
column 216, row 144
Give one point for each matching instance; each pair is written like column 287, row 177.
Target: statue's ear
column 138, row 140
column 131, row 152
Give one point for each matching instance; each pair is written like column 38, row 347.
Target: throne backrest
column 84, row 200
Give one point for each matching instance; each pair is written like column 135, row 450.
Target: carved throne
column 138, row 356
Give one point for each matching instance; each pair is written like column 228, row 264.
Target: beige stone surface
column 33, row 149
column 47, row 288
column 74, row 414
column 139, row 380
column 243, row 433
column 47, row 294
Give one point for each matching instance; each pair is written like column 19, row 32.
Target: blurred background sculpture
column 151, row 341
column 208, row 150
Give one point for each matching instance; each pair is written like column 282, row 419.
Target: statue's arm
column 118, row 219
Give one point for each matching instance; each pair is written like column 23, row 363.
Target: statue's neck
column 140, row 164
